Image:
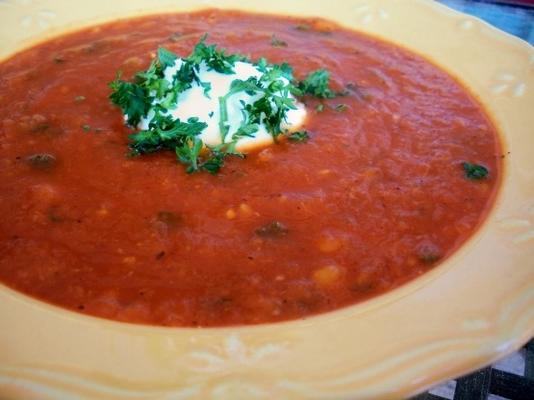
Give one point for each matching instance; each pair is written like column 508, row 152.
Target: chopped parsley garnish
column 475, row 171
column 218, row 153
column 341, row 107
column 300, row 136
column 275, row 42
column 166, row 133
column 358, row 92
column 316, row 84
column 273, row 229
column 152, row 95
column 214, row 58
column 131, row 98
column 166, row 58
column 223, row 118
column 246, row 130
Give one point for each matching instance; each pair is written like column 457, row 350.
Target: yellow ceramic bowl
column 473, row 309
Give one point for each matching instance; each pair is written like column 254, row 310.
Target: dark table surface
column 515, row 17
column 511, row 378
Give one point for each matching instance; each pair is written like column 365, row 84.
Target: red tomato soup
column 378, row 195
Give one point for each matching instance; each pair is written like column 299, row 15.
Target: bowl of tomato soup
column 265, row 200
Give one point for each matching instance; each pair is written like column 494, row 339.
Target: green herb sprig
column 151, row 94
column 475, row 171
column 299, row 136
column 276, row 42
column 317, row 84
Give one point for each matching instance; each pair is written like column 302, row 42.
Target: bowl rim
column 476, row 340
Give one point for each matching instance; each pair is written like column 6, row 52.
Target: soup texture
column 398, row 172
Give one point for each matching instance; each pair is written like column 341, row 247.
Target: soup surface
column 376, row 197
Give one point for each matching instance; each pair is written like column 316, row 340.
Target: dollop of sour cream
column 194, row 102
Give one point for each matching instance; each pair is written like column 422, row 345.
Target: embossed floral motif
column 232, row 353
column 41, row 18
column 524, row 225
column 51, row 382
column 368, row 13
column 507, row 82
column 234, row 389
column 32, row 15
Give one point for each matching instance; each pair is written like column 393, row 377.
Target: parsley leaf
column 341, row 107
column 246, row 130
column 316, row 84
column 250, row 86
column 188, row 153
column 131, row 99
column 475, row 171
column 207, row 87
column 214, row 58
column 223, row 118
column 184, row 77
column 271, row 108
column 164, row 132
column 299, row 136
column 275, row 42
column 166, row 58
column 217, row 155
